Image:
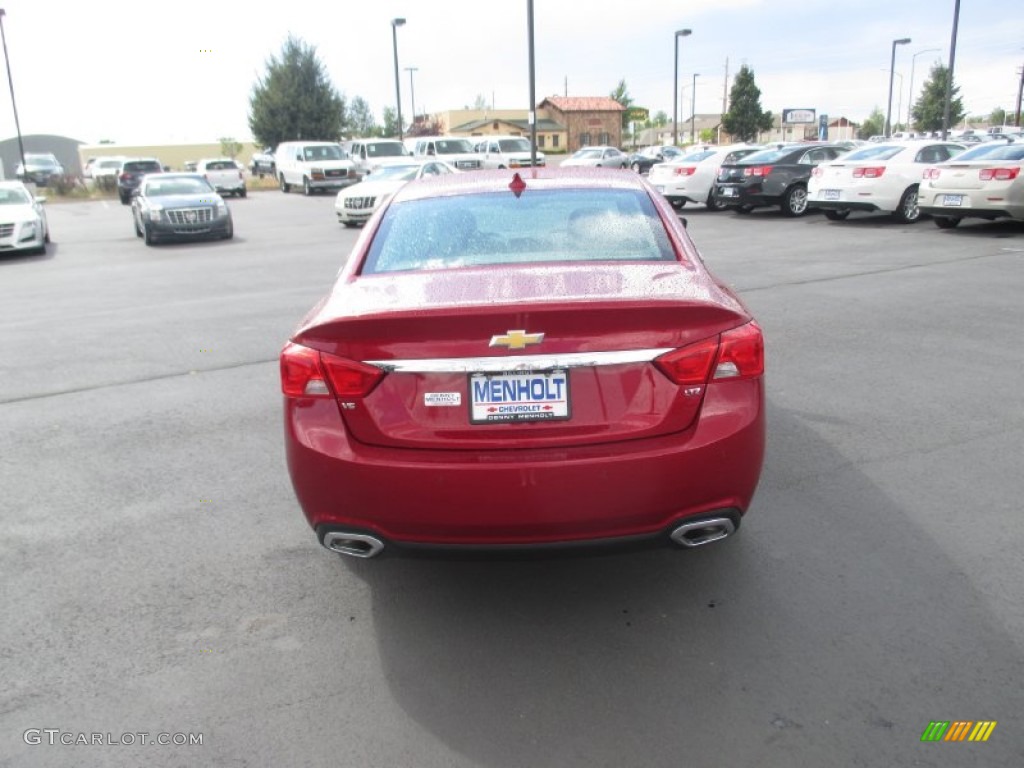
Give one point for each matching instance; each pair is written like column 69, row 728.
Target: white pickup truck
column 223, row 174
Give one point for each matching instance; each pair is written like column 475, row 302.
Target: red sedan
column 527, row 361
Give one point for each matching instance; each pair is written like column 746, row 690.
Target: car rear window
column 144, row 166
column 563, row 225
column 993, row 152
column 880, row 152
column 770, row 155
column 222, row 165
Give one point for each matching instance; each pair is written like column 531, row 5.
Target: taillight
column 998, row 174
column 125, row 176
column 736, row 354
column 306, row 372
column 301, row 374
column 817, row 171
column 689, row 365
column 931, row 173
column 869, row 172
column 741, row 354
column 686, row 171
column 349, row 378
column 757, row 170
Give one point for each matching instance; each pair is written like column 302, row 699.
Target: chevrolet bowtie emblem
column 516, row 339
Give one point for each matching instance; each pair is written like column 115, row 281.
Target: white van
column 454, row 150
column 370, row 154
column 313, row 165
column 507, row 152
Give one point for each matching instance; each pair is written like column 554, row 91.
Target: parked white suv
column 506, row 152
column 313, row 165
column 370, row 154
column 223, row 174
column 455, row 151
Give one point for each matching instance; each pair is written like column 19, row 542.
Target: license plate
column 496, row 397
column 952, row 199
column 659, row 188
column 727, row 191
column 830, row 194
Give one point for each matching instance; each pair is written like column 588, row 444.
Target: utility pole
column 1020, row 92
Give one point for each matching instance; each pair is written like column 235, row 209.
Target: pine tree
column 745, row 119
column 621, row 95
column 295, row 99
column 928, row 108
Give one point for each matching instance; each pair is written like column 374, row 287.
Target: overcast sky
column 153, row 72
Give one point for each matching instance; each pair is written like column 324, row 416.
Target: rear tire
column 794, row 202
column 307, row 190
column 125, row 199
column 836, row 215
column 285, row 186
column 908, row 212
column 677, row 203
column 714, row 204
column 636, row 167
column 946, row 222
column 242, row 192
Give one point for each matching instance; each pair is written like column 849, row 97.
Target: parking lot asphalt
column 159, row 576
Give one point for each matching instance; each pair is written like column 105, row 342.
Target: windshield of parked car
column 541, row 225
column 14, row 197
column 41, row 161
column 514, row 145
column 324, row 152
column 582, row 154
column 386, row 149
column 181, row 185
column 993, row 152
column 876, row 152
column 453, row 146
column 394, row 173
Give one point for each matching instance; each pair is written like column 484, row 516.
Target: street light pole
column 949, row 73
column 395, row 24
column 10, row 82
column 675, row 88
column 910, row 91
column 412, row 96
column 693, row 108
column 892, row 70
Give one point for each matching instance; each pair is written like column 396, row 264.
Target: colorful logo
column 958, row 730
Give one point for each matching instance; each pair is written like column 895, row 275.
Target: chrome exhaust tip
column 702, row 532
column 353, row 544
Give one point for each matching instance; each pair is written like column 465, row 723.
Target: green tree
column 480, row 102
column 660, row 119
column 997, row 117
column 928, row 108
column 873, row 125
column 295, row 99
column 229, row 147
column 621, row 95
column 390, row 127
column 745, row 118
column 360, row 119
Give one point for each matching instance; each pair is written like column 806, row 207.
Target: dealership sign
column 791, row 116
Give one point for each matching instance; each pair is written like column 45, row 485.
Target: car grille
column 336, row 173
column 469, row 164
column 188, row 217
column 359, row 203
column 6, row 230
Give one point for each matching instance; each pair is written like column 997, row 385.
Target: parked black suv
column 131, row 174
column 776, row 176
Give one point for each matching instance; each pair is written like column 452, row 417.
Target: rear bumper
column 991, row 214
column 744, row 196
column 843, row 205
column 527, row 498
